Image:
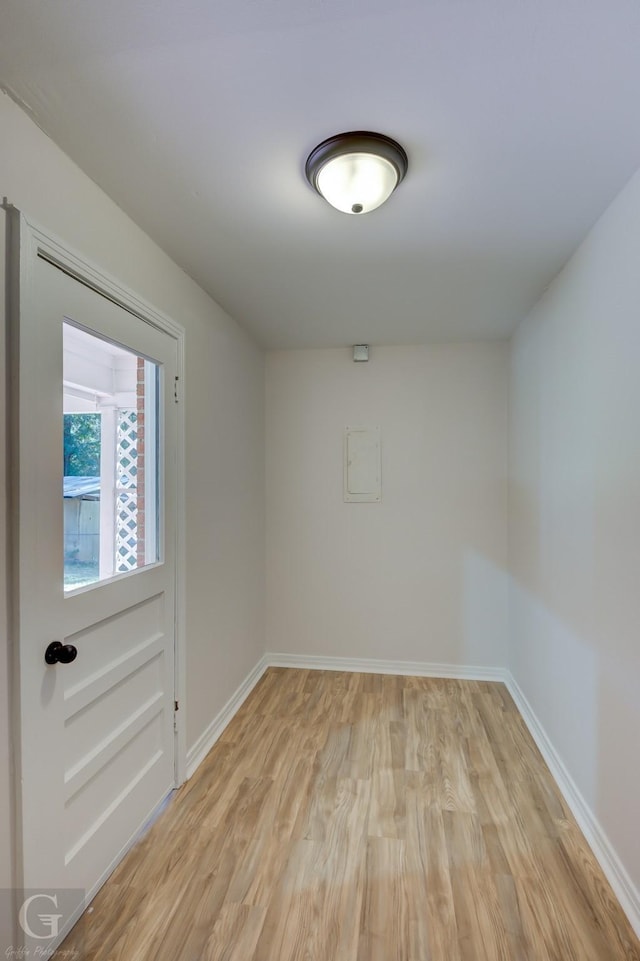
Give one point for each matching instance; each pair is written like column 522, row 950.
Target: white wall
column 225, row 429
column 575, row 519
column 420, row 576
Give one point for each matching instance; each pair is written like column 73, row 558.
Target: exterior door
column 95, row 611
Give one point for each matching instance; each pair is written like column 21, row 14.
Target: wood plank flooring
column 361, row 817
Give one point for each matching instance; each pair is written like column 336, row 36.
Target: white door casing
column 96, row 749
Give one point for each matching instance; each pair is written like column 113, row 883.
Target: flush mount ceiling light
column 356, row 172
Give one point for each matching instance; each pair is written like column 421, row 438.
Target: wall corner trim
column 604, row 852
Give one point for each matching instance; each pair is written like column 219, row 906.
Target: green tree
column 82, row 445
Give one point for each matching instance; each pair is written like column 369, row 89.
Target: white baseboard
column 198, row 751
column 606, row 855
column 366, row 665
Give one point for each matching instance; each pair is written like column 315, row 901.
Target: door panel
column 97, row 734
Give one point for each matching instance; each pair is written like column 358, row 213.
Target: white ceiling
column 520, row 120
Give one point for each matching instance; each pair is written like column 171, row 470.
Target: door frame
column 26, row 242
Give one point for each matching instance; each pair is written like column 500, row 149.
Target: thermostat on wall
column 361, row 352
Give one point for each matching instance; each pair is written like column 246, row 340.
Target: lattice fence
column 127, row 492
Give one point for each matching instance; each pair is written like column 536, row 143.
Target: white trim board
column 366, row 665
column 623, row 887
column 198, row 751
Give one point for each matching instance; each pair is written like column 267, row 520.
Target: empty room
column 320, row 512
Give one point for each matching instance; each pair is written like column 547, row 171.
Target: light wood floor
column 359, row 817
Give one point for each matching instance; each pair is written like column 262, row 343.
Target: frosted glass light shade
column 357, row 182
column 356, row 172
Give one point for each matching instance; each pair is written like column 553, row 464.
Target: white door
column 96, row 575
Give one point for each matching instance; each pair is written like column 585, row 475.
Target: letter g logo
column 48, row 922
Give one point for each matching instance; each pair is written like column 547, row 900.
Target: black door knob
column 57, row 651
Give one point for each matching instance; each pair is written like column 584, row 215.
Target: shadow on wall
column 558, row 672
column 485, row 611
column 616, row 755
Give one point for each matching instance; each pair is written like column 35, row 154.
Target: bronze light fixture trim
column 356, row 172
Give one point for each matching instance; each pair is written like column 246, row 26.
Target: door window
column 111, row 490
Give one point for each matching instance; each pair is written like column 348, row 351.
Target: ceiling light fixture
column 356, row 172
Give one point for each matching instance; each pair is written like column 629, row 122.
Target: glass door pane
column 110, row 496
